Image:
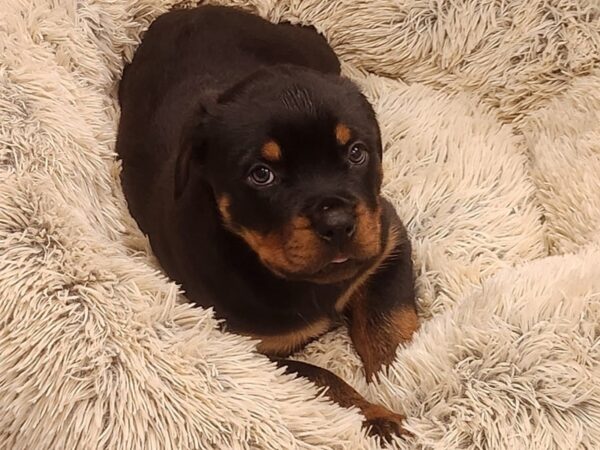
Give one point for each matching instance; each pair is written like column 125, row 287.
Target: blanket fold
column 490, row 117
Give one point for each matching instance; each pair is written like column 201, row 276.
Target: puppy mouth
column 335, row 270
column 339, row 267
column 340, row 260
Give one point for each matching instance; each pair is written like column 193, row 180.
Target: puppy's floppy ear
column 192, row 150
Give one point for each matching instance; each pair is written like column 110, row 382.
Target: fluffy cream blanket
column 490, row 114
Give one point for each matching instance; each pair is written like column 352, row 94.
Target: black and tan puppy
column 255, row 170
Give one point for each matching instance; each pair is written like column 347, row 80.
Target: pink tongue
column 339, row 260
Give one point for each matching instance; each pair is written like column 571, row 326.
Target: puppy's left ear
column 192, row 151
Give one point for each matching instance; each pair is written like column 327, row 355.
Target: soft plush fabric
column 490, row 114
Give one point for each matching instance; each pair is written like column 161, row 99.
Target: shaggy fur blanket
column 490, row 115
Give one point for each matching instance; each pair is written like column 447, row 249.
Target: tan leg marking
column 376, row 341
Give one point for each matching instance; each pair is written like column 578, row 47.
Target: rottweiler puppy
column 255, row 170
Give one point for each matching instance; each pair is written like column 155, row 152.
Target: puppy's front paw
column 384, row 423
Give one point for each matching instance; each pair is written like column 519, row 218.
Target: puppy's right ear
column 192, row 151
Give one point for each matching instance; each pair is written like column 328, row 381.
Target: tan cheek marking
column 287, row 343
column 271, row 151
column 268, row 247
column 368, row 230
column 293, row 249
column 300, row 223
column 302, row 242
column 391, row 243
column 342, row 134
column 224, row 203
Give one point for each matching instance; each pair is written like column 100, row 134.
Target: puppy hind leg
column 379, row 420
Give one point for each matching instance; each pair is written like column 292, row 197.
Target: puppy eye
column 357, row 153
column 261, row 176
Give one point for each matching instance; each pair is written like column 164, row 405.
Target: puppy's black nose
column 334, row 221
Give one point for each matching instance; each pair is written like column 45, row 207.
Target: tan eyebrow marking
column 342, row 134
column 271, row 151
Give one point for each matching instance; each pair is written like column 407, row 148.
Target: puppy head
column 294, row 160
